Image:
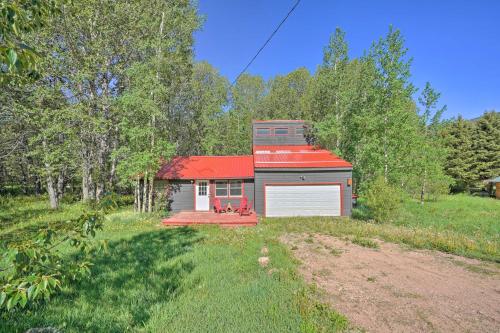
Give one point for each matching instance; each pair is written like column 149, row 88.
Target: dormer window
column 281, row 131
column 263, row 131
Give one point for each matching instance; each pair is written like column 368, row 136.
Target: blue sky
column 454, row 44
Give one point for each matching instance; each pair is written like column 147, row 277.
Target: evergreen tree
column 457, row 136
column 486, row 146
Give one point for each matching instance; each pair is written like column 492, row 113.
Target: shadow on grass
column 134, row 276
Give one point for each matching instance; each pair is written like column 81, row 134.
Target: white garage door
column 303, row 200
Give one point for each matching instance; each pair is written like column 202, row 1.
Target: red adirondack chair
column 218, row 206
column 243, row 203
column 246, row 210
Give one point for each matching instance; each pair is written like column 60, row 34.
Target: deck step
column 222, row 224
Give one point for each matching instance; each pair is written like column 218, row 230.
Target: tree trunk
column 422, row 192
column 137, row 202
column 150, row 194
column 54, row 201
column 87, row 181
column 114, row 162
column 38, row 186
column 51, row 189
column 144, row 194
column 101, row 165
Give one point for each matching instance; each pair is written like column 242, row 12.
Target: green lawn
column 203, row 279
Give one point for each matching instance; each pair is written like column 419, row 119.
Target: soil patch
column 387, row 288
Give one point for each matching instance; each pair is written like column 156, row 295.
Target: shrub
column 383, row 200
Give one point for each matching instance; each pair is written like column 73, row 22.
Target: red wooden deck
column 225, row 219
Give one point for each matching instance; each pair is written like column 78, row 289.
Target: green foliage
column 246, row 104
column 286, row 95
column 486, row 146
column 383, row 200
column 17, row 18
column 34, row 269
column 473, row 148
column 458, row 138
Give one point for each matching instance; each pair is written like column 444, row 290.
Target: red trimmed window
column 228, row 188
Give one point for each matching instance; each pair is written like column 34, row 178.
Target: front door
column 202, row 195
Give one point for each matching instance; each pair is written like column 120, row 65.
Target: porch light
column 349, row 181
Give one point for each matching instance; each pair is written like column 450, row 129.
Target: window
column 299, row 130
column 202, row 188
column 263, row 131
column 232, row 188
column 221, row 188
column 235, row 188
column 281, row 131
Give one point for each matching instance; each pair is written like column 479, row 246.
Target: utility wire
column 267, row 42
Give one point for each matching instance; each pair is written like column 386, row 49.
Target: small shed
column 495, row 182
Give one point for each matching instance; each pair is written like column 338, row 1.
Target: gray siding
column 293, row 176
column 291, row 139
column 249, row 193
column 182, row 194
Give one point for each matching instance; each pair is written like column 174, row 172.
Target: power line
column 267, row 41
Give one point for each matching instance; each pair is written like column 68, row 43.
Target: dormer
column 279, row 132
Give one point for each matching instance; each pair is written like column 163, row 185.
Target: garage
column 303, row 200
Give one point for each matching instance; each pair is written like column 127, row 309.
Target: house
column 285, row 176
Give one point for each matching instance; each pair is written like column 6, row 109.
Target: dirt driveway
column 392, row 289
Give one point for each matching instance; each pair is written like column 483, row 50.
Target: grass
column 475, row 217
column 203, row 279
column 365, row 242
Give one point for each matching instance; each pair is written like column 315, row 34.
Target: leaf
column 10, row 304
column 23, row 299
column 52, row 282
column 31, row 289
column 37, row 290
column 12, row 57
column 3, row 296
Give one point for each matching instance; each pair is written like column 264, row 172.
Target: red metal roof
column 207, row 167
column 296, row 157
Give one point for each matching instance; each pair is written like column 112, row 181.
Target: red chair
column 246, row 210
column 243, row 204
column 218, row 208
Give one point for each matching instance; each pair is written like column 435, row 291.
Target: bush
column 383, row 200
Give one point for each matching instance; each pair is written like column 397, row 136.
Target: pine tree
column 486, row 146
column 457, row 136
